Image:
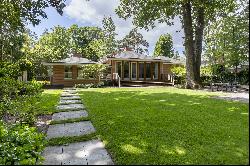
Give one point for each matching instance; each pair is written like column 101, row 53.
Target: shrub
column 20, row 144
column 179, row 74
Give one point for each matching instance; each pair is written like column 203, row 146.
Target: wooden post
column 144, row 71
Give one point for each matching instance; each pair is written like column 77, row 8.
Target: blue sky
column 91, row 13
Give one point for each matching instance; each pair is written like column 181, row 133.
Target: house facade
column 128, row 66
column 134, row 67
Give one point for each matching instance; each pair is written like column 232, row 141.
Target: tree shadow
column 145, row 127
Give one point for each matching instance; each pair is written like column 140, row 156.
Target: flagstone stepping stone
column 68, row 94
column 70, row 129
column 70, row 102
column 70, row 97
column 69, row 88
column 82, row 153
column 70, row 107
column 69, row 115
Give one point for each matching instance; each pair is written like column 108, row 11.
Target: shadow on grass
column 162, row 127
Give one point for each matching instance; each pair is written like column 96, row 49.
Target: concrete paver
column 70, row 129
column 69, row 115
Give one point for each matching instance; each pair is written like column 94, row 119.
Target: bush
column 91, row 85
column 179, row 74
column 20, row 144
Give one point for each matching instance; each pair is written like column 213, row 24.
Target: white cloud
column 92, row 13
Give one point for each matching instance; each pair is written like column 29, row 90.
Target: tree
column 56, row 45
column 135, row 41
column 227, row 39
column 164, row 46
column 52, row 46
column 15, row 14
column 194, row 16
column 109, row 34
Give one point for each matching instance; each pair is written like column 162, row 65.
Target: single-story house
column 128, row 65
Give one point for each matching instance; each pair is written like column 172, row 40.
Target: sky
column 91, row 13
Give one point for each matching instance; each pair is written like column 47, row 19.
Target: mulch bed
column 42, row 123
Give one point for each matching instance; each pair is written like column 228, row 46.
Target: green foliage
column 109, row 34
column 227, row 39
column 8, row 69
column 91, row 71
column 179, row 74
column 164, row 46
column 20, row 144
column 135, row 41
column 15, row 14
column 18, row 99
column 60, row 42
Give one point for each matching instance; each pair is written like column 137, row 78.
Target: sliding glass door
column 126, row 70
column 133, row 70
column 141, row 70
column 148, row 71
column 155, row 73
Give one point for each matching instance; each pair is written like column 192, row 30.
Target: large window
column 67, row 72
column 126, row 70
column 141, row 71
column 155, row 73
column 133, row 70
column 148, row 71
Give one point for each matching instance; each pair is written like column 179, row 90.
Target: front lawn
column 168, row 126
column 48, row 102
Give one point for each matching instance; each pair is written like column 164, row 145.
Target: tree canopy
column 15, row 14
column 109, row 34
column 227, row 39
column 57, row 44
column 164, row 46
column 135, row 41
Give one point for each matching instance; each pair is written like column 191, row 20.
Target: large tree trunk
column 189, row 45
column 199, row 30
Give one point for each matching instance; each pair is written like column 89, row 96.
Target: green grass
column 168, row 126
column 69, row 120
column 67, row 140
column 48, row 102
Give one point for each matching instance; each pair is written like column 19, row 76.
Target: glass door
column 141, row 71
column 133, row 70
column 155, row 74
column 126, row 70
column 148, row 71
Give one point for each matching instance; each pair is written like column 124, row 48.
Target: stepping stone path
column 90, row 152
